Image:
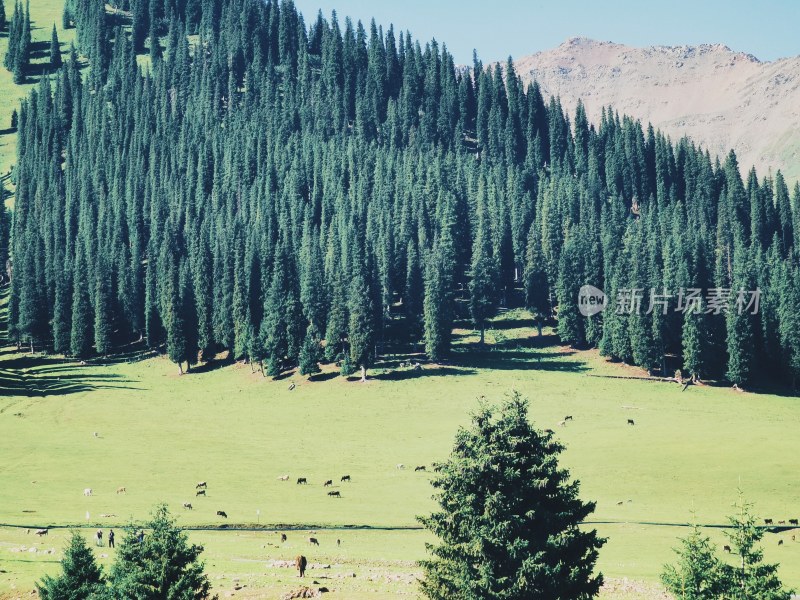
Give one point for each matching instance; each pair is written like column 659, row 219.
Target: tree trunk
column 539, row 325
column 188, row 367
column 180, row 369
column 483, row 335
column 363, row 373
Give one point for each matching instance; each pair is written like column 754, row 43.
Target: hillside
column 718, row 97
column 44, row 14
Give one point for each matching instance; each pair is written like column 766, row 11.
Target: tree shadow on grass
column 408, row 374
column 37, row 377
column 510, row 360
column 321, row 377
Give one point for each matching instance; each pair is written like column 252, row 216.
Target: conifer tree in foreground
column 2, row 15
column 81, row 578
column 701, row 575
column 508, row 523
column 162, row 566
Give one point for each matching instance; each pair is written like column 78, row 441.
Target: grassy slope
column 44, row 13
column 160, row 433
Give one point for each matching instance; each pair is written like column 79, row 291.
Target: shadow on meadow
column 32, row 377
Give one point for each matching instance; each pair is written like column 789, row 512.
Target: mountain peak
column 719, row 97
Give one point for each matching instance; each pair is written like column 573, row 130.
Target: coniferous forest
column 302, row 192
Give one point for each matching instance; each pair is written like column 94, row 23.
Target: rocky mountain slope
column 720, row 98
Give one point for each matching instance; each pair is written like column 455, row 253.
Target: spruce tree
column 361, row 330
column 162, row 566
column 55, row 50
column 82, row 336
column 508, row 518
column 698, row 574
column 310, row 352
column 483, row 293
column 2, row 15
column 81, row 578
column 750, row 578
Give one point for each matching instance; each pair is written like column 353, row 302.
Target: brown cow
column 300, row 562
column 283, row 537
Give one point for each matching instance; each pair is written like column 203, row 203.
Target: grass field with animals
column 135, row 433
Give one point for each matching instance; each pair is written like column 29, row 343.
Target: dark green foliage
column 356, row 181
column 19, row 42
column 701, row 575
column 2, row 15
column 750, row 578
column 81, row 578
column 310, row 353
column 161, row 567
column 55, row 51
column 698, row 574
column 509, row 516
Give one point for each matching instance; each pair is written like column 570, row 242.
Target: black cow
column 221, row 513
column 302, row 480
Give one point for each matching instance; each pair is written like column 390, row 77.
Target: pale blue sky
column 768, row 29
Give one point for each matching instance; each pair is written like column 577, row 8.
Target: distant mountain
column 720, row 98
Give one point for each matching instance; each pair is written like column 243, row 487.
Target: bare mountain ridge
column 720, row 98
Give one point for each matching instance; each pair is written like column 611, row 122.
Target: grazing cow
column 41, row 532
column 283, row 478
column 620, row 503
column 631, row 422
column 400, row 466
column 568, row 418
column 122, row 490
column 780, row 542
column 550, row 431
column 781, row 522
column 345, row 478
column 200, row 493
column 767, row 521
column 300, row 562
column 221, row 513
column 283, row 538
column 327, row 483
column 422, row 468
column 792, row 521
column 334, row 494
column 314, row 541
column 302, row 481
column 562, row 423
column 338, row 542
column 727, row 549
column 202, row 485
column 187, row 506
column 87, row 492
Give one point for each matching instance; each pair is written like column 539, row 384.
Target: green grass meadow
column 135, row 423
column 159, row 433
